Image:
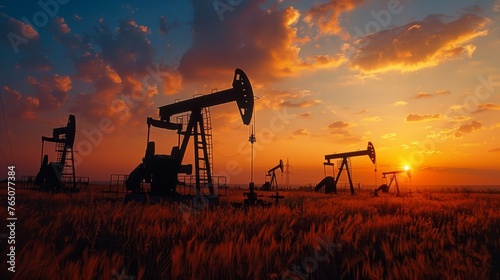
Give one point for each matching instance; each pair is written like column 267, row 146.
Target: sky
column 418, row 79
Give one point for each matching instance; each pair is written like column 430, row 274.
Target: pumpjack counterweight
column 162, row 170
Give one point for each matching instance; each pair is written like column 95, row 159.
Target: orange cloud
column 119, row 66
column 264, row 43
column 424, row 94
column 19, row 105
column 496, row 150
column 52, row 91
column 305, row 115
column 422, row 118
column 301, row 132
column 327, row 16
column 342, row 130
column 487, row 107
column 275, row 99
column 418, row 44
column 468, row 128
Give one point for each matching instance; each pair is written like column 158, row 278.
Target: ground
column 428, row 235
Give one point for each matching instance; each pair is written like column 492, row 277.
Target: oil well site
column 170, row 220
column 238, row 139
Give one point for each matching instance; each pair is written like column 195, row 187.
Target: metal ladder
column 68, row 174
column 205, row 150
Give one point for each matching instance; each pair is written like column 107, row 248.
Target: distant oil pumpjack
column 329, row 182
column 50, row 175
column 271, row 181
column 393, row 175
column 162, row 171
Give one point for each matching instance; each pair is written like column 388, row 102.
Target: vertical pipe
column 41, row 156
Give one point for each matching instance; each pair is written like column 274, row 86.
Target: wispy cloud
column 487, row 107
column 422, row 118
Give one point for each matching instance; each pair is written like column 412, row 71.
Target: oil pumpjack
column 393, row 175
column 272, row 184
column 51, row 174
column 329, row 182
column 162, row 171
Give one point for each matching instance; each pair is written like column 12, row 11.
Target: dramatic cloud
column 52, row 91
column 496, row 150
column 19, row 105
column 418, row 44
column 421, row 118
column 327, row 16
column 487, row 107
column 23, row 40
column 264, row 43
column 120, row 66
column 468, row 128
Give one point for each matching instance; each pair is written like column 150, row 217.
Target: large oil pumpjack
column 51, row 174
column 162, row 171
column 329, row 182
column 271, row 181
column 393, row 178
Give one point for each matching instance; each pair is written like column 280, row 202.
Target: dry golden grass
column 447, row 236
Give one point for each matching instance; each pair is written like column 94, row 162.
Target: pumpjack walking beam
column 370, row 151
column 154, row 167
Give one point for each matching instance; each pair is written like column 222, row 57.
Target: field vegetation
column 307, row 236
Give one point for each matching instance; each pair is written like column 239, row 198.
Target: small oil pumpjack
column 50, row 175
column 329, row 182
column 161, row 171
column 271, row 181
column 393, row 178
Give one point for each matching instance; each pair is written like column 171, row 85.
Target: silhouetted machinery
column 50, row 175
column 393, row 178
column 161, row 171
column 254, row 199
column 271, row 181
column 329, row 182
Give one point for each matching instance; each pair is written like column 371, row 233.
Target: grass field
column 308, row 236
